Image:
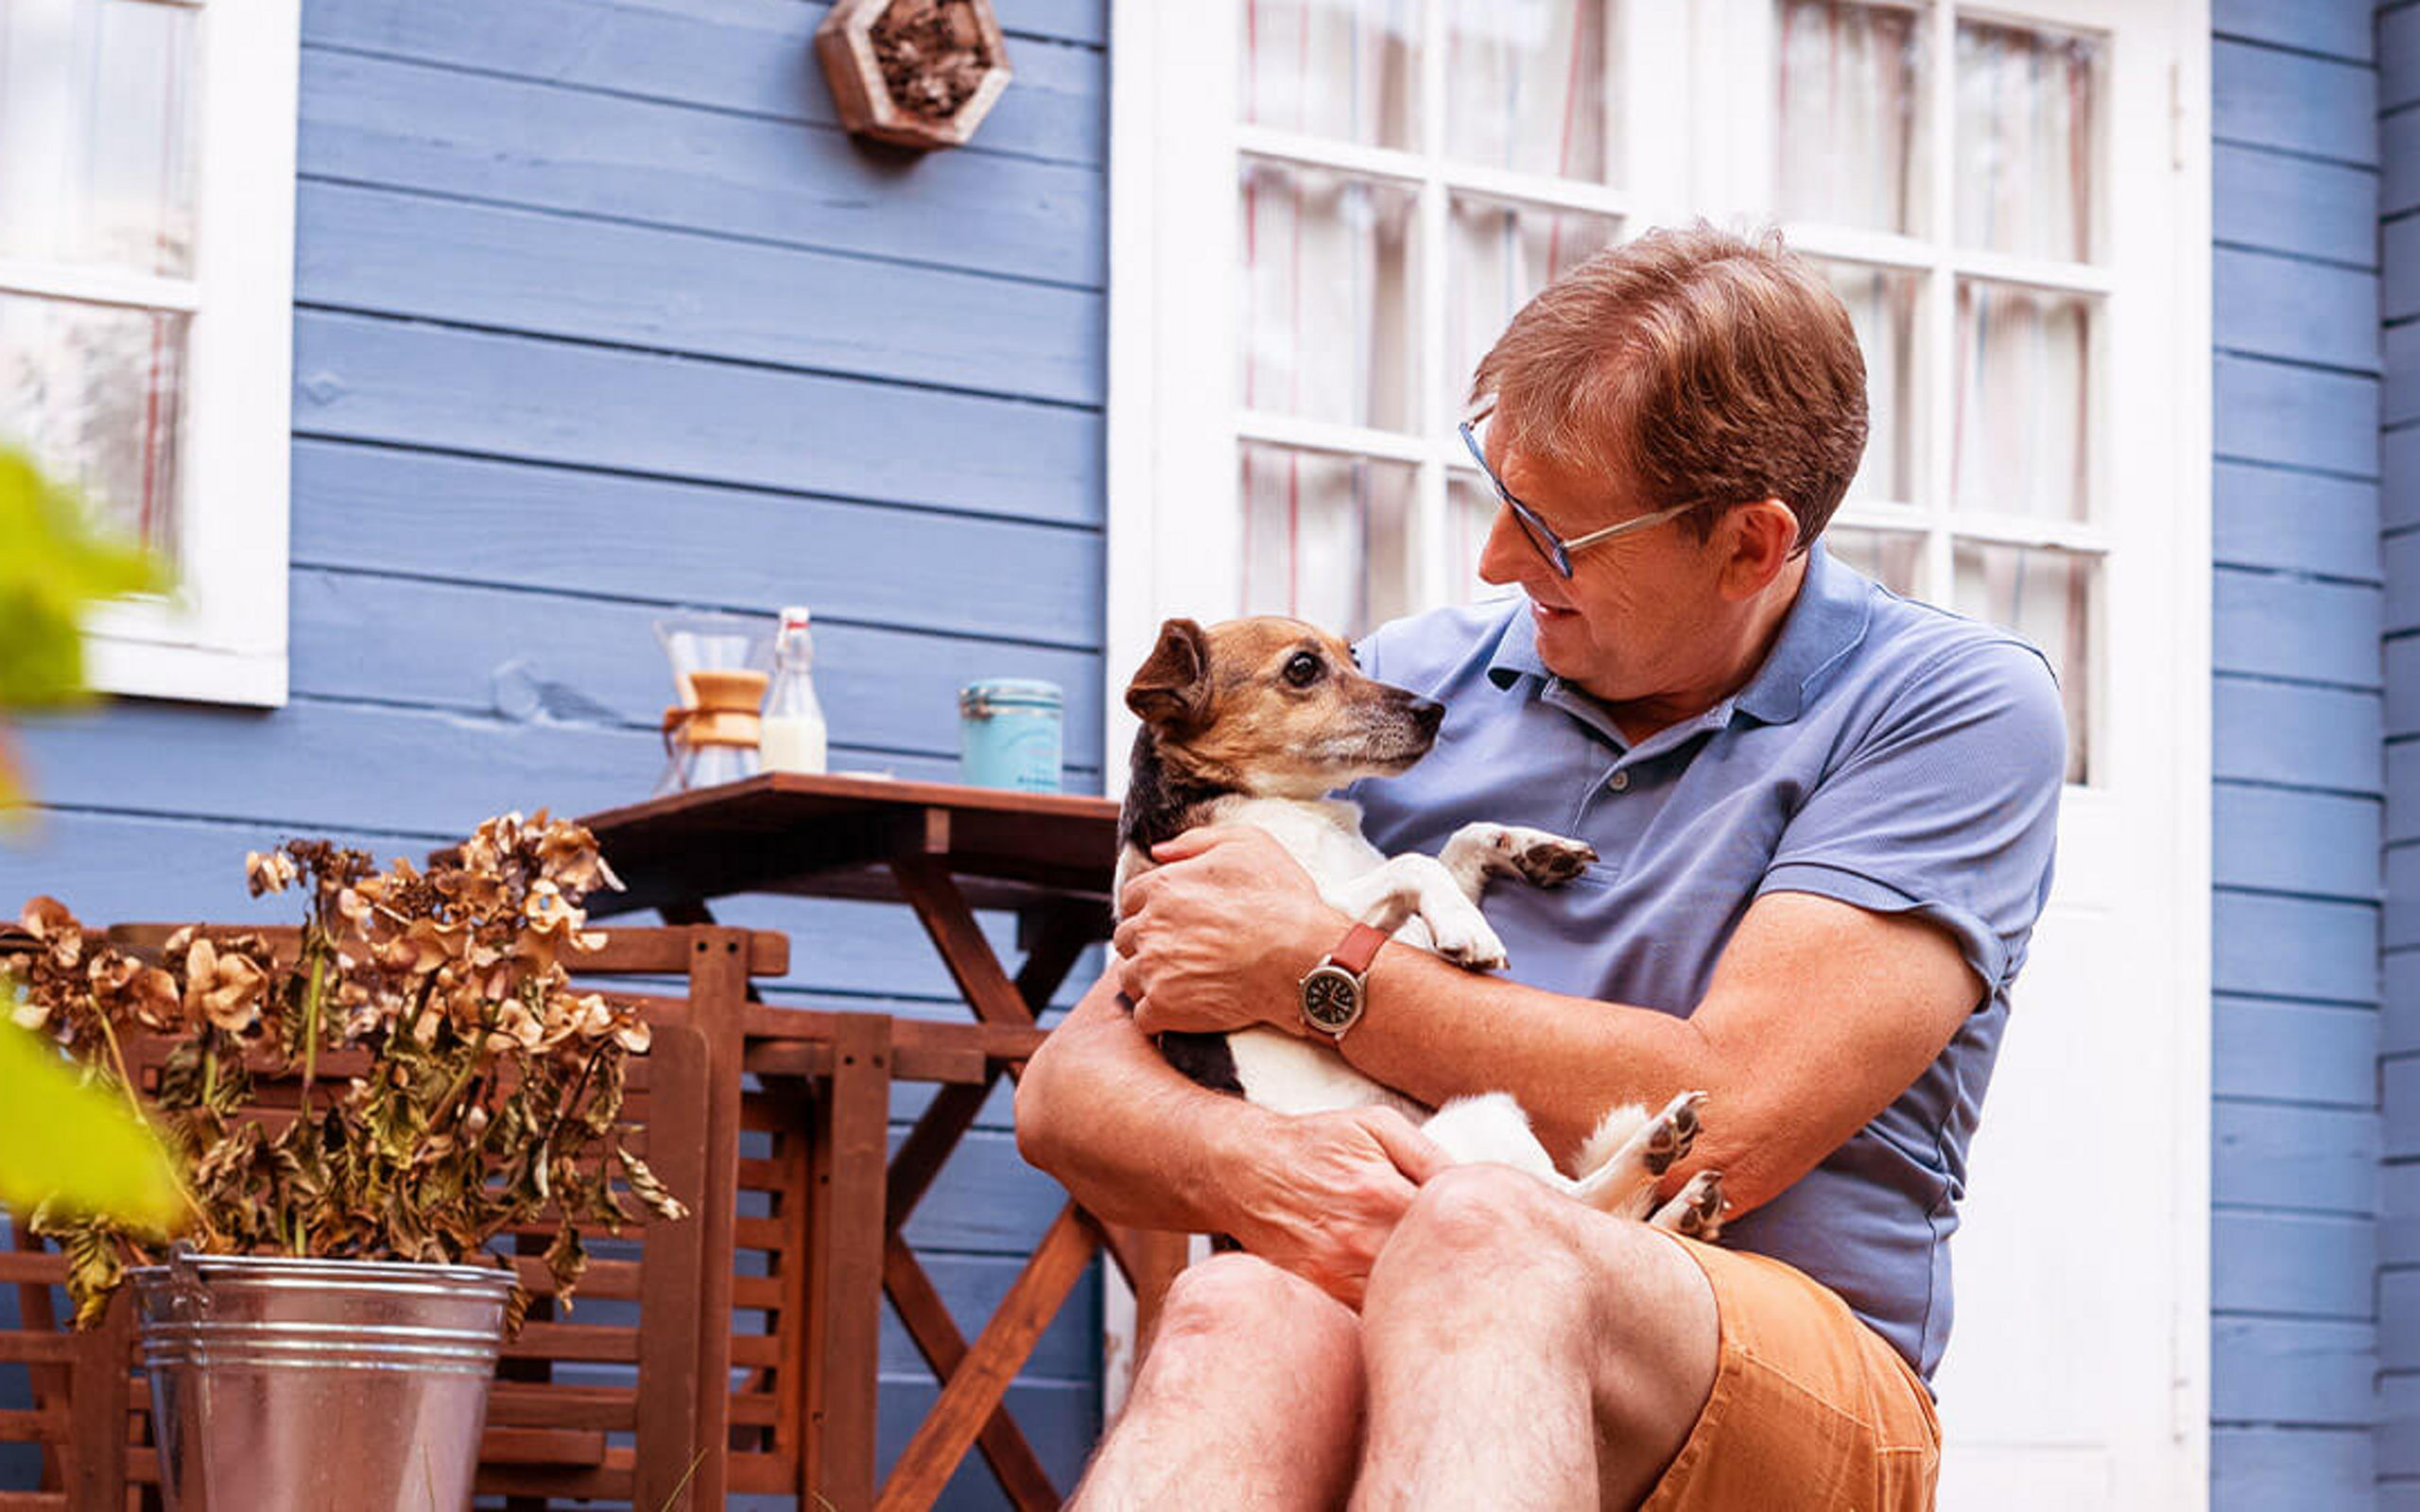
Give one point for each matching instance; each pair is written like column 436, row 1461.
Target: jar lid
column 980, row 697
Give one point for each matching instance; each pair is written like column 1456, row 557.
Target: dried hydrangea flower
column 55, row 929
column 269, row 871
column 224, row 989
column 491, row 1090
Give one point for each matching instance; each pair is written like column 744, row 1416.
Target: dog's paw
column 1465, row 938
column 1671, row 1133
column 1541, row 859
column 1696, row 1209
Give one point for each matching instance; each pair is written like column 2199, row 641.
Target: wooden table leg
column 970, row 1393
column 845, row 1342
column 1054, row 938
column 718, row 1005
column 943, row 912
column 1149, row 1259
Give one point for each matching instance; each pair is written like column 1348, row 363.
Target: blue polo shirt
column 1887, row 753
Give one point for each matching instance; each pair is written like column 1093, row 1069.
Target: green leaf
column 54, row 562
column 78, row 1147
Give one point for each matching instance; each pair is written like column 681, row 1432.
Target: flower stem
column 315, row 942
column 126, row 1084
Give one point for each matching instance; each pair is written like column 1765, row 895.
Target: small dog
column 1254, row 721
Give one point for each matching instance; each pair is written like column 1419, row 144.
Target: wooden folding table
column 945, row 853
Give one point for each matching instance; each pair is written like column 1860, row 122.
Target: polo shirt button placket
column 1618, row 781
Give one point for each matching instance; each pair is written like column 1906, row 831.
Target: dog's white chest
column 1323, row 834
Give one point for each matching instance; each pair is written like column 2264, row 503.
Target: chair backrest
column 598, row 1402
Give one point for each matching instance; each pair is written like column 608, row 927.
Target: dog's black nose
column 1427, row 713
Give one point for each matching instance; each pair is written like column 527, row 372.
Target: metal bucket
column 297, row 1385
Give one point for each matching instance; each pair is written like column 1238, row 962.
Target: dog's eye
column 1302, row 669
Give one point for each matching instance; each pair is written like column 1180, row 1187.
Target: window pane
column 2028, row 141
column 1470, row 514
column 1891, row 558
column 1525, row 87
column 95, row 133
column 1850, row 147
column 1327, row 537
column 1497, row 257
column 93, row 392
column 2047, row 597
column 2024, row 402
column 1334, row 68
column 1882, row 306
column 1327, row 297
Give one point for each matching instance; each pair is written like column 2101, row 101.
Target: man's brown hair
column 1710, row 368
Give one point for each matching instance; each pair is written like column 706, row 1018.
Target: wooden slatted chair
column 772, row 1123
column 593, row 1410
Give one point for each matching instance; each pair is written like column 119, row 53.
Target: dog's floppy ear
column 1173, row 689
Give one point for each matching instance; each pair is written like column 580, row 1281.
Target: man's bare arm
column 1124, row 1132
column 1138, row 1144
column 1819, row 1015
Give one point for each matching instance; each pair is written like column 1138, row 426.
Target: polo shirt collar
column 1824, row 625
column 1826, row 622
column 1516, row 648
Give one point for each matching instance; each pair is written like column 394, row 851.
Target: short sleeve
column 1947, row 808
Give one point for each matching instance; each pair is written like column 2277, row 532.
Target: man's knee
column 1492, row 1244
column 1471, row 1227
column 1237, row 1297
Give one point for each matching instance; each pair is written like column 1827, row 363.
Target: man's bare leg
column 1250, row 1398
column 1527, row 1352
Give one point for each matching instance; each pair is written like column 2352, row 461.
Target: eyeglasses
column 1556, row 550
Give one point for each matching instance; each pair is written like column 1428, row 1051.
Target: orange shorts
column 1811, row 1410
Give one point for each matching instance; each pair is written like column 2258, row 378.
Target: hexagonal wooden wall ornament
column 920, row 72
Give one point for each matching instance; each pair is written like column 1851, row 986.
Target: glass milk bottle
column 793, row 738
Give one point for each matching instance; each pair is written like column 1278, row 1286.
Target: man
column 1826, row 817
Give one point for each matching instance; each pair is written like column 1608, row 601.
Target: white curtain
column 94, row 393
column 1327, row 297
column 2027, row 135
column 1325, row 537
column 2048, row 597
column 1525, row 87
column 1849, row 144
column 97, row 172
column 1331, row 277
column 1333, row 68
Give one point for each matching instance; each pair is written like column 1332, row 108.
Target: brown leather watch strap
column 1359, row 948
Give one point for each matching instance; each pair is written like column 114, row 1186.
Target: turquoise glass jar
column 1009, row 734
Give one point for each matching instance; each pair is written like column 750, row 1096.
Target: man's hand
column 1218, row 935
column 1321, row 1199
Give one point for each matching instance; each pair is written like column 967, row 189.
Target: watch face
column 1331, row 999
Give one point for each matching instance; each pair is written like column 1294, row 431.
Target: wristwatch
column 1332, row 994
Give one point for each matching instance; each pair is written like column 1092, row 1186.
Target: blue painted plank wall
column 599, row 313
column 2299, row 714
column 2398, row 1080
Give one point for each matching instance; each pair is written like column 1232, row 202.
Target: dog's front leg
column 1481, row 850
column 1406, row 885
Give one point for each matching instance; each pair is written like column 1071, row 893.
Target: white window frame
column 1174, row 428
column 220, row 635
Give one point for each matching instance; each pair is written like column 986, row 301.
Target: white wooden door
column 1321, row 210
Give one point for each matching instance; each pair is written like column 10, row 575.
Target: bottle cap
column 794, row 618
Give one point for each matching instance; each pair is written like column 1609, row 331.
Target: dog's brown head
column 1274, row 708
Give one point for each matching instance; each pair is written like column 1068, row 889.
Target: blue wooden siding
column 598, row 313
column 2398, row 1078
column 2299, row 714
